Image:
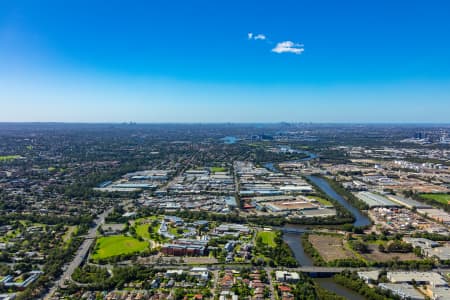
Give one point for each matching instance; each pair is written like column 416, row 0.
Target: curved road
column 80, row 254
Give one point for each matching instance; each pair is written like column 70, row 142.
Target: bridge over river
column 325, row 271
column 292, row 230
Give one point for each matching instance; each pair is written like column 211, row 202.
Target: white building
column 284, row 276
column 403, row 290
column 432, row 278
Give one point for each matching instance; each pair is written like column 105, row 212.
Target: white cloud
column 259, row 36
column 281, row 47
column 288, row 47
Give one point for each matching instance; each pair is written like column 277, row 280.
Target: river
column 294, row 240
column 360, row 219
column 229, row 140
column 295, row 243
column 271, row 166
column 330, row 285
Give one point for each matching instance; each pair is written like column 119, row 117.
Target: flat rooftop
column 406, row 291
column 407, row 202
column 433, row 278
column 290, row 205
column 375, row 200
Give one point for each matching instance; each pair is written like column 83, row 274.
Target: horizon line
column 224, row 123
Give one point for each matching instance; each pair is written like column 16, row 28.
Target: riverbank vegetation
column 262, row 156
column 352, row 199
column 275, row 253
column 352, row 281
column 311, row 251
column 307, row 289
column 343, row 216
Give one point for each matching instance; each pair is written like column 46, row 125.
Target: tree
column 359, row 246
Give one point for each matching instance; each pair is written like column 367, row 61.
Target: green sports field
column 441, row 198
column 8, row 157
column 115, row 245
column 268, row 237
column 142, row 231
column 218, row 169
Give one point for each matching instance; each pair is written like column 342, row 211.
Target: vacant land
column 114, row 226
column 199, row 260
column 268, row 237
column 330, row 247
column 322, row 201
column 67, row 235
column 116, row 245
column 377, row 255
column 441, row 198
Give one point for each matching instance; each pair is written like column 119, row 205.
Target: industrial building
column 185, row 247
column 422, row 243
column 281, row 206
column 403, row 290
column 430, row 278
column 407, row 202
column 436, row 214
column 375, row 200
column 440, row 293
column 441, row 253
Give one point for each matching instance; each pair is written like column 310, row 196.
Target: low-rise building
column 421, row 242
column 431, row 278
column 200, row 273
column 403, row 290
column 284, row 276
column 172, row 273
column 369, row 276
column 441, row 253
column 375, row 200
column 10, row 282
column 440, row 293
column 183, row 249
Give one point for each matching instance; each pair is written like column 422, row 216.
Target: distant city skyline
column 227, row 61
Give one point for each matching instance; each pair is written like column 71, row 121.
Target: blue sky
column 195, row 61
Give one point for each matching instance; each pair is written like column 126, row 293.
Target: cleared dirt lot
column 376, row 255
column 329, row 247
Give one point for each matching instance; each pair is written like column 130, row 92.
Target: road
column 80, row 254
column 180, row 172
column 272, row 289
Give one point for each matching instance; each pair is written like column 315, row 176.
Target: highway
column 80, row 254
